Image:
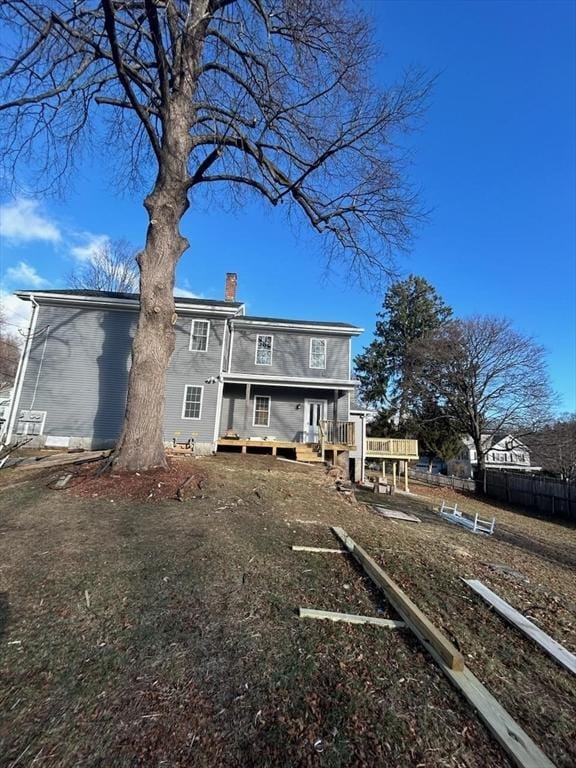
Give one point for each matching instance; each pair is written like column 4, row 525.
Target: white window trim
column 199, row 320
column 318, row 367
column 262, row 336
column 267, row 397
column 192, row 418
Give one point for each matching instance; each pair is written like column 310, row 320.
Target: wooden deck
column 306, row 452
column 391, row 448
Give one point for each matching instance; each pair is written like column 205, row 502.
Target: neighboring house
column 234, row 379
column 501, row 453
column 361, row 416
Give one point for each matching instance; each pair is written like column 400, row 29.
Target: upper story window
column 317, row 353
column 264, row 350
column 199, row 335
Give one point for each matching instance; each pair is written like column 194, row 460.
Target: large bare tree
column 487, row 376
column 10, row 344
column 269, row 96
column 112, row 267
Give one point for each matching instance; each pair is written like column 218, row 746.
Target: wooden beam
column 557, row 651
column 513, row 739
column 428, row 634
column 297, row 548
column 310, row 613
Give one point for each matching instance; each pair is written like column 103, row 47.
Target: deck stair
column 308, row 452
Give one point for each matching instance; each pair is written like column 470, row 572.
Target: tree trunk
column 141, row 445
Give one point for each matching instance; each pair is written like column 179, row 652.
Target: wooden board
column 557, row 651
column 514, row 740
column 395, row 514
column 428, row 634
column 350, row 618
column 523, row 752
column 297, row 548
column 63, row 459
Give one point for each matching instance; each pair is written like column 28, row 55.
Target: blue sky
column 495, row 160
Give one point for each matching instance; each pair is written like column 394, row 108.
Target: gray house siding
column 78, row 373
column 286, row 420
column 193, row 367
column 290, row 354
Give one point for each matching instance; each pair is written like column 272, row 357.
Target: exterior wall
column 290, row 354
column 286, row 420
column 78, row 373
column 193, row 367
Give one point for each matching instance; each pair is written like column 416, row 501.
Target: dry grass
column 158, row 633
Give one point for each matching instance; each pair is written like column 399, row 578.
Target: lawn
column 151, row 632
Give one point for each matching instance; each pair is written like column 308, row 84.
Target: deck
column 391, row 448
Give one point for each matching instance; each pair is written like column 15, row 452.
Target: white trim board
column 524, row 625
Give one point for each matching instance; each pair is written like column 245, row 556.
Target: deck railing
column 338, row 433
column 391, row 448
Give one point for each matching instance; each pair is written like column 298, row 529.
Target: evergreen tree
column 411, row 309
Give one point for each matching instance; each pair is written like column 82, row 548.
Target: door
column 314, row 413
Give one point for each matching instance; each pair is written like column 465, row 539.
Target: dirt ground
column 136, row 630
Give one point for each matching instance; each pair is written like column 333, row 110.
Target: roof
column 324, row 325
column 103, row 296
column 124, row 296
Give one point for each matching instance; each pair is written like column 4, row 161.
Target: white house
column 506, row 452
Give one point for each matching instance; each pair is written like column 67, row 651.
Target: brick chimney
column 231, row 283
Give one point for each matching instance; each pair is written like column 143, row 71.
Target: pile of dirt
column 182, row 478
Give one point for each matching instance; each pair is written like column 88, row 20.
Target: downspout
column 230, row 326
column 21, row 370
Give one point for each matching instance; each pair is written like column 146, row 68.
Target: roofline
column 346, row 330
column 70, row 299
column 291, row 381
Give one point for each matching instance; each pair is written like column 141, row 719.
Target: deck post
column 274, row 449
column 394, row 474
column 406, row 475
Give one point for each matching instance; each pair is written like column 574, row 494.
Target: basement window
column 264, row 349
column 192, row 406
column 199, row 335
column 261, row 411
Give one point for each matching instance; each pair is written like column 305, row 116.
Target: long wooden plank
column 557, row 651
column 350, row 618
column 428, row 634
column 298, row 548
column 75, row 458
column 513, row 739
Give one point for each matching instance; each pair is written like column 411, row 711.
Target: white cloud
column 185, row 293
column 89, row 247
column 16, row 312
column 21, row 221
column 26, row 276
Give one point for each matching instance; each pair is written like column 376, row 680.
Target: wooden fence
column 457, row 483
column 545, row 494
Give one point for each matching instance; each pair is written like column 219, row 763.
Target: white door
column 314, row 413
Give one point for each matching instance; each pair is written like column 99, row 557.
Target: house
column 235, row 381
column 507, row 452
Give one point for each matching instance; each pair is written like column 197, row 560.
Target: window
column 317, row 353
column 199, row 335
column 261, row 411
column 192, row 402
column 264, row 350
